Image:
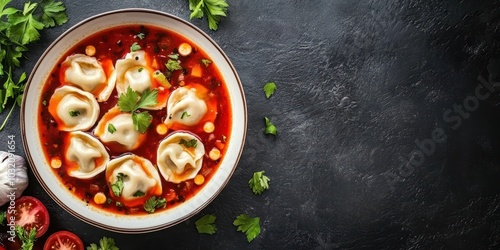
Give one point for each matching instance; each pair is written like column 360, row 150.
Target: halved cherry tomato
column 30, row 213
column 63, row 240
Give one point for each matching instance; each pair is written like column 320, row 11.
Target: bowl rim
column 82, row 217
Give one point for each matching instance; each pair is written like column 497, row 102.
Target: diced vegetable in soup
column 134, row 119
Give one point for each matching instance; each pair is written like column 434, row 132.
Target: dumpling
column 139, row 177
column 86, row 157
column 73, row 109
column 135, row 71
column 185, row 107
column 89, row 75
column 116, row 129
column 179, row 157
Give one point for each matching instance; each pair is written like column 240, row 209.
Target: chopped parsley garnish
column 270, row 128
column 74, row 113
column 185, row 114
column 154, row 203
column 104, row 244
column 247, row 225
column 213, row 9
column 135, row 47
column 173, row 63
column 269, row 89
column 206, row 224
column 206, row 62
column 118, row 204
column 189, row 144
column 130, row 102
column 259, row 182
column 139, row 193
column 140, row 69
column 117, row 187
column 141, row 35
column 111, row 128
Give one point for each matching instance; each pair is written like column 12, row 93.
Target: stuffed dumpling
column 88, row 74
column 86, row 157
column 136, row 71
column 73, row 109
column 137, row 179
column 116, row 129
column 180, row 156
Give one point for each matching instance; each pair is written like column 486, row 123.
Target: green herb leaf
column 140, row 69
column 74, row 113
column 270, row 128
column 213, row 9
column 27, row 238
column 206, row 62
column 3, row 215
column 130, row 102
column 139, row 193
column 189, row 144
column 53, row 13
column 247, row 225
column 173, row 63
column 127, row 101
column 104, row 244
column 135, row 47
column 153, row 203
column 259, row 182
column 206, row 224
column 141, row 35
column 148, row 98
column 269, row 89
column 117, row 187
column 141, row 121
column 111, row 128
column 185, row 114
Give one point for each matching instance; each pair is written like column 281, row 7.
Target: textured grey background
column 358, row 83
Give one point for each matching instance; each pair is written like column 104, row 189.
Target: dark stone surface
column 381, row 144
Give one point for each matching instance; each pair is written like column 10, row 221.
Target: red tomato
column 30, row 213
column 63, row 240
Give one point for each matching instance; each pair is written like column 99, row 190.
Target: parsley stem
column 8, row 115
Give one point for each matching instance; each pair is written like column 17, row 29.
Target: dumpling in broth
column 185, row 107
column 88, row 74
column 139, row 178
column 116, row 130
column 135, row 71
column 86, row 157
column 180, row 156
column 73, row 109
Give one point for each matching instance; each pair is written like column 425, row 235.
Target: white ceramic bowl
column 95, row 216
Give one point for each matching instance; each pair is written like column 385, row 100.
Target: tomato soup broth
column 161, row 47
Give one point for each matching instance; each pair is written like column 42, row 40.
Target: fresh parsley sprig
column 249, row 226
column 153, row 203
column 259, row 182
column 19, row 28
column 269, row 89
column 130, row 102
column 117, row 187
column 206, row 224
column 27, row 238
column 105, row 243
column 270, row 129
column 213, row 9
